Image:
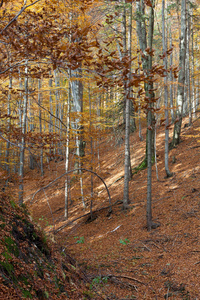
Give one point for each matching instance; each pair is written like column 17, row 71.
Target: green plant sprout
column 124, row 242
column 80, row 240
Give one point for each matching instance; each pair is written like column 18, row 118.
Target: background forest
column 73, row 71
column 77, row 74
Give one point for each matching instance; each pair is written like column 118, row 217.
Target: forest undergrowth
column 119, row 257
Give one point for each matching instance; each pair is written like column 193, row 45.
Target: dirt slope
column 121, row 259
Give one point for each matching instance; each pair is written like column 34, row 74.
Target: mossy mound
column 30, row 265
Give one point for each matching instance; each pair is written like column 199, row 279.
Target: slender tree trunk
column 123, row 54
column 9, row 124
column 147, row 66
column 127, row 161
column 32, row 159
column 98, row 139
column 40, row 124
column 192, row 66
column 149, row 171
column 188, row 59
column 23, row 130
column 150, row 125
column 67, row 154
column 139, row 108
column 146, row 59
column 181, row 77
column 57, row 125
column 91, row 149
column 132, row 112
column 156, row 154
column 51, row 113
column 165, row 94
column 171, row 76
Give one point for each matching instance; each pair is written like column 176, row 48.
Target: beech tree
column 181, row 77
column 165, row 92
column 147, row 54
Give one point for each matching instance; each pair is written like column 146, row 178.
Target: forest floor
column 117, row 253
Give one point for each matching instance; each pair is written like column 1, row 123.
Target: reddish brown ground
column 131, row 262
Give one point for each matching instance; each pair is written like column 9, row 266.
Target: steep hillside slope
column 31, row 267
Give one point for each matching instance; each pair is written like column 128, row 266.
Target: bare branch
column 78, row 169
column 11, row 67
column 9, row 141
column 19, row 13
column 125, row 277
column 50, row 113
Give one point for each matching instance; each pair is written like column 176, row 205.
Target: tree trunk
column 50, row 116
column 165, row 94
column 150, row 125
column 132, row 111
column 192, row 70
column 23, row 131
column 77, row 98
column 91, row 160
column 67, row 154
column 171, row 77
column 127, row 161
column 127, row 155
column 7, row 166
column 40, row 123
column 146, row 59
column 181, row 77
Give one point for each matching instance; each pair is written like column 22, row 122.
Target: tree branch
column 78, row 169
column 19, row 13
column 11, row 67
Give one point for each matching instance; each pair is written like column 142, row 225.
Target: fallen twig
column 126, row 277
column 117, row 281
column 145, row 246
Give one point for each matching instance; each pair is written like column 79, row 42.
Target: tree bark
column 127, row 161
column 165, row 94
column 181, row 77
column 23, row 131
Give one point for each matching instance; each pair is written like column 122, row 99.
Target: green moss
column 26, row 294
column 11, row 246
column 13, row 204
column 140, row 167
column 7, row 269
column 143, row 165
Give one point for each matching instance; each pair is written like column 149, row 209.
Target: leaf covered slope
column 122, row 259
column 30, row 266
